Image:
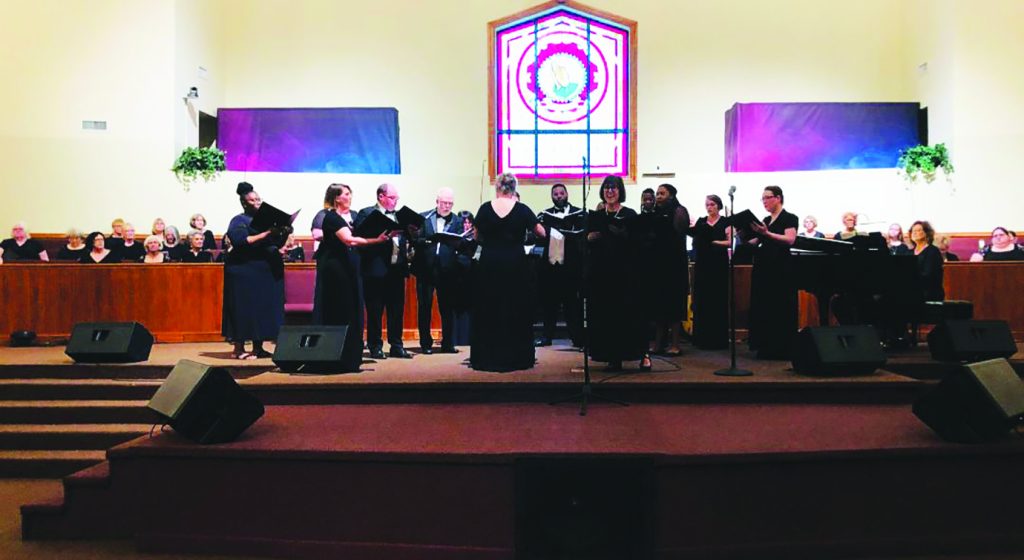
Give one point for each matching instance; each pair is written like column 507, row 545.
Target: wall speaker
column 980, row 402
column 204, row 404
column 310, row 349
column 845, row 350
column 971, row 341
column 112, row 343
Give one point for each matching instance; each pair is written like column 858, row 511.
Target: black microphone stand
column 732, row 370
column 586, row 391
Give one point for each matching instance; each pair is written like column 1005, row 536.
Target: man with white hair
column 436, row 269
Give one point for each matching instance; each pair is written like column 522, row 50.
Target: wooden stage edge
column 182, row 302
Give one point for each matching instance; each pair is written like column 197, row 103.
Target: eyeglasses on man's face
column 769, row 197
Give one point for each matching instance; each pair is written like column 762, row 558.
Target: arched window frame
column 499, row 133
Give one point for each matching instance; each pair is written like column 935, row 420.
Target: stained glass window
column 563, row 94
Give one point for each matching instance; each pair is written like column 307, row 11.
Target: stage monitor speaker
column 310, row 349
column 971, row 341
column 980, row 402
column 846, row 350
column 112, row 343
column 204, row 404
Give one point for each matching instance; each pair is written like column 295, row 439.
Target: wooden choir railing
column 182, row 302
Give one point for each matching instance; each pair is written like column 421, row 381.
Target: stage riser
column 71, row 391
column 77, row 415
column 799, row 508
column 37, row 441
column 111, row 371
column 42, row 468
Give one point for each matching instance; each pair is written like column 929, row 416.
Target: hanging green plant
column 194, row 163
column 924, row 161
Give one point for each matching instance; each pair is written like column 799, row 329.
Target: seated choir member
column 929, row 261
column 98, row 251
column 198, row 223
column 158, row 227
column 115, row 240
column 293, row 251
column 75, row 248
column 225, row 248
column 849, row 230
column 195, row 252
column 155, row 253
column 172, row 243
column 131, row 250
column 897, row 245
column 1003, row 248
column 21, row 246
column 810, row 228
column 943, row 244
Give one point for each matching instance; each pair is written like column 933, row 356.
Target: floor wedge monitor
column 204, row 404
column 310, row 349
column 980, row 402
column 971, row 341
column 838, row 351
column 109, row 343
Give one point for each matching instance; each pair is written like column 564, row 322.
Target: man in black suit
column 385, row 268
column 561, row 267
column 436, row 268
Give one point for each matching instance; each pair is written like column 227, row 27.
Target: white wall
column 131, row 62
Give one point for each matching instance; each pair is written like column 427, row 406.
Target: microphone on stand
column 732, row 190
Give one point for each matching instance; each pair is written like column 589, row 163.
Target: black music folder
column 453, row 240
column 741, row 223
column 409, row 217
column 269, row 216
column 375, row 224
column 567, row 224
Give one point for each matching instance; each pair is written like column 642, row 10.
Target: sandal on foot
column 645, row 362
column 244, row 356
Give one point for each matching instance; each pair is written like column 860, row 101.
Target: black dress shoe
column 377, row 354
column 448, row 350
column 399, row 352
column 542, row 342
column 426, row 350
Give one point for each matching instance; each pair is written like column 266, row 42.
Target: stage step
column 34, row 463
column 78, row 389
column 68, row 436
column 75, row 411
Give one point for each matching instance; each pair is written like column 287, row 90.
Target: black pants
column 445, row 288
column 387, row 292
column 560, row 288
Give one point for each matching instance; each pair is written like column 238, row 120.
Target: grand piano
column 867, row 282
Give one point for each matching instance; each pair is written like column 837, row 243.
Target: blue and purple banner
column 338, row 140
column 818, row 136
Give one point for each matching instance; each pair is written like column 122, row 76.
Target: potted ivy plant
column 924, row 161
column 195, row 163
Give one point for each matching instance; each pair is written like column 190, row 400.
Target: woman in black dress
column 711, row 237
column 502, row 337
column 253, row 282
column 21, row 247
column 98, row 252
column 671, row 270
column 617, row 329
column 465, row 270
column 929, row 261
column 773, row 299
column 1004, row 247
column 338, row 299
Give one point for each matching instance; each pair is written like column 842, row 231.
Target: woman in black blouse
column 198, row 223
column 75, row 248
column 172, row 243
column 98, row 252
column 929, row 261
column 21, row 247
column 196, row 253
column 773, row 298
column 1004, row 247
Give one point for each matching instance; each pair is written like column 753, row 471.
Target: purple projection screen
column 818, row 136
column 338, row 140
